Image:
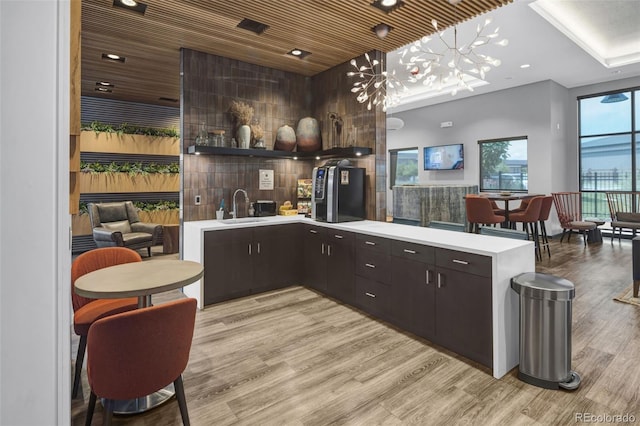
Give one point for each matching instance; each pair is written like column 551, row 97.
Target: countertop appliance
column 264, row 208
column 338, row 193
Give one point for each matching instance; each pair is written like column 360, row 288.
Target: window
column 403, row 166
column 608, row 148
column 503, row 164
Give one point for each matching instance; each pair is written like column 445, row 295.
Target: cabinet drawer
column 413, row 251
column 368, row 242
column 334, row 236
column 373, row 265
column 464, row 262
column 372, row 296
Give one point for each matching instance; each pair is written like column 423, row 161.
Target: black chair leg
column 182, row 401
column 90, row 409
column 82, row 346
column 149, row 251
column 108, row 412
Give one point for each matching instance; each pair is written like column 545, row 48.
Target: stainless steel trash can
column 545, row 330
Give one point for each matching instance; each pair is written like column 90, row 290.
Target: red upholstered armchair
column 86, row 311
column 136, row 353
column 480, row 212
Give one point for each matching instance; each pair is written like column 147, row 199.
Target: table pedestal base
column 139, row 405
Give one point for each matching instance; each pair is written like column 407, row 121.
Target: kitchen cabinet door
column 315, row 257
column 227, row 264
column 276, row 256
column 413, row 297
column 463, row 314
column 341, row 266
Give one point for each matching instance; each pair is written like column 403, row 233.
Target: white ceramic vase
column 244, row 136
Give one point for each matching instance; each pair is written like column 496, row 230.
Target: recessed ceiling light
column 132, row 5
column 382, row 30
column 523, row 66
column 113, row 57
column 298, row 53
column 104, row 84
column 104, row 90
column 387, row 6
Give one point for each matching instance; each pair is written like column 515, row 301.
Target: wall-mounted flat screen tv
column 444, row 157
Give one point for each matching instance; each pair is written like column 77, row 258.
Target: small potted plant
column 242, row 114
column 258, row 136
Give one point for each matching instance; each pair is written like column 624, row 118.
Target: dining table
column 505, row 197
column 141, row 280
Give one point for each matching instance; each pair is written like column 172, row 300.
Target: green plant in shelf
column 146, row 206
column 132, row 169
column 130, row 129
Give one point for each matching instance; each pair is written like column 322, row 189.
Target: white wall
column 520, row 111
column 34, row 221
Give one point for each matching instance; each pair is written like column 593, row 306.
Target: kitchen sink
column 242, row 220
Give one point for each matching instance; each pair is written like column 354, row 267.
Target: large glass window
column 608, row 148
column 403, row 165
column 503, row 164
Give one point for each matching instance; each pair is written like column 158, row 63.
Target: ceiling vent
column 253, row 26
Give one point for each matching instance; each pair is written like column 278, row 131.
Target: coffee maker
column 338, row 192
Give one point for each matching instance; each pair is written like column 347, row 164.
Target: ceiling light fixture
column 113, row 57
column 613, row 98
column 382, row 30
column 450, row 63
column 383, row 86
column 253, row 26
column 132, row 5
column 298, row 53
column 103, row 89
column 387, row 6
column 104, row 84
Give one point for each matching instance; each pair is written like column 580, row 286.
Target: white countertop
column 454, row 240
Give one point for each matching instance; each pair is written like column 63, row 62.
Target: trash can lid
column 543, row 286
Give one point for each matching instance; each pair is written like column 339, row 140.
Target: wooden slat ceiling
column 334, row 31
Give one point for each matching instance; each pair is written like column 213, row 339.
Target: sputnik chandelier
column 452, row 64
column 383, row 86
column 446, row 66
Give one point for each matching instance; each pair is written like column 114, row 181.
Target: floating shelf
column 350, row 152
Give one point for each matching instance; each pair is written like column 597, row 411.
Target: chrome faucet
column 235, row 206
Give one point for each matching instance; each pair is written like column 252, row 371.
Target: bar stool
column 480, row 212
column 545, row 210
column 529, row 219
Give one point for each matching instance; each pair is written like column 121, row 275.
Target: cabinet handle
column 462, row 262
column 313, row 231
column 368, row 265
column 428, row 276
column 409, row 251
column 370, row 294
column 322, row 249
column 440, row 284
column 371, row 243
column 258, row 248
column 328, row 249
column 249, row 249
column 339, row 236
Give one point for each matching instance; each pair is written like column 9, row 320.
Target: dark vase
column 308, row 135
column 285, row 139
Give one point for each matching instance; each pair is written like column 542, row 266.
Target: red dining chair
column 529, row 219
column 85, row 310
column 480, row 212
column 137, row 353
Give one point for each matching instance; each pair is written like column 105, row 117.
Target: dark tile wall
column 211, row 82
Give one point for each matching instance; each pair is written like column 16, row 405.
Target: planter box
column 92, row 183
column 91, row 141
column 81, row 225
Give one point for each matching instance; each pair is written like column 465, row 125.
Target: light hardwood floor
column 296, row 357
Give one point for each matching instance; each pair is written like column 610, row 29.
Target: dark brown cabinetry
column 373, row 275
column 463, row 304
column 243, row 261
column 329, row 261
